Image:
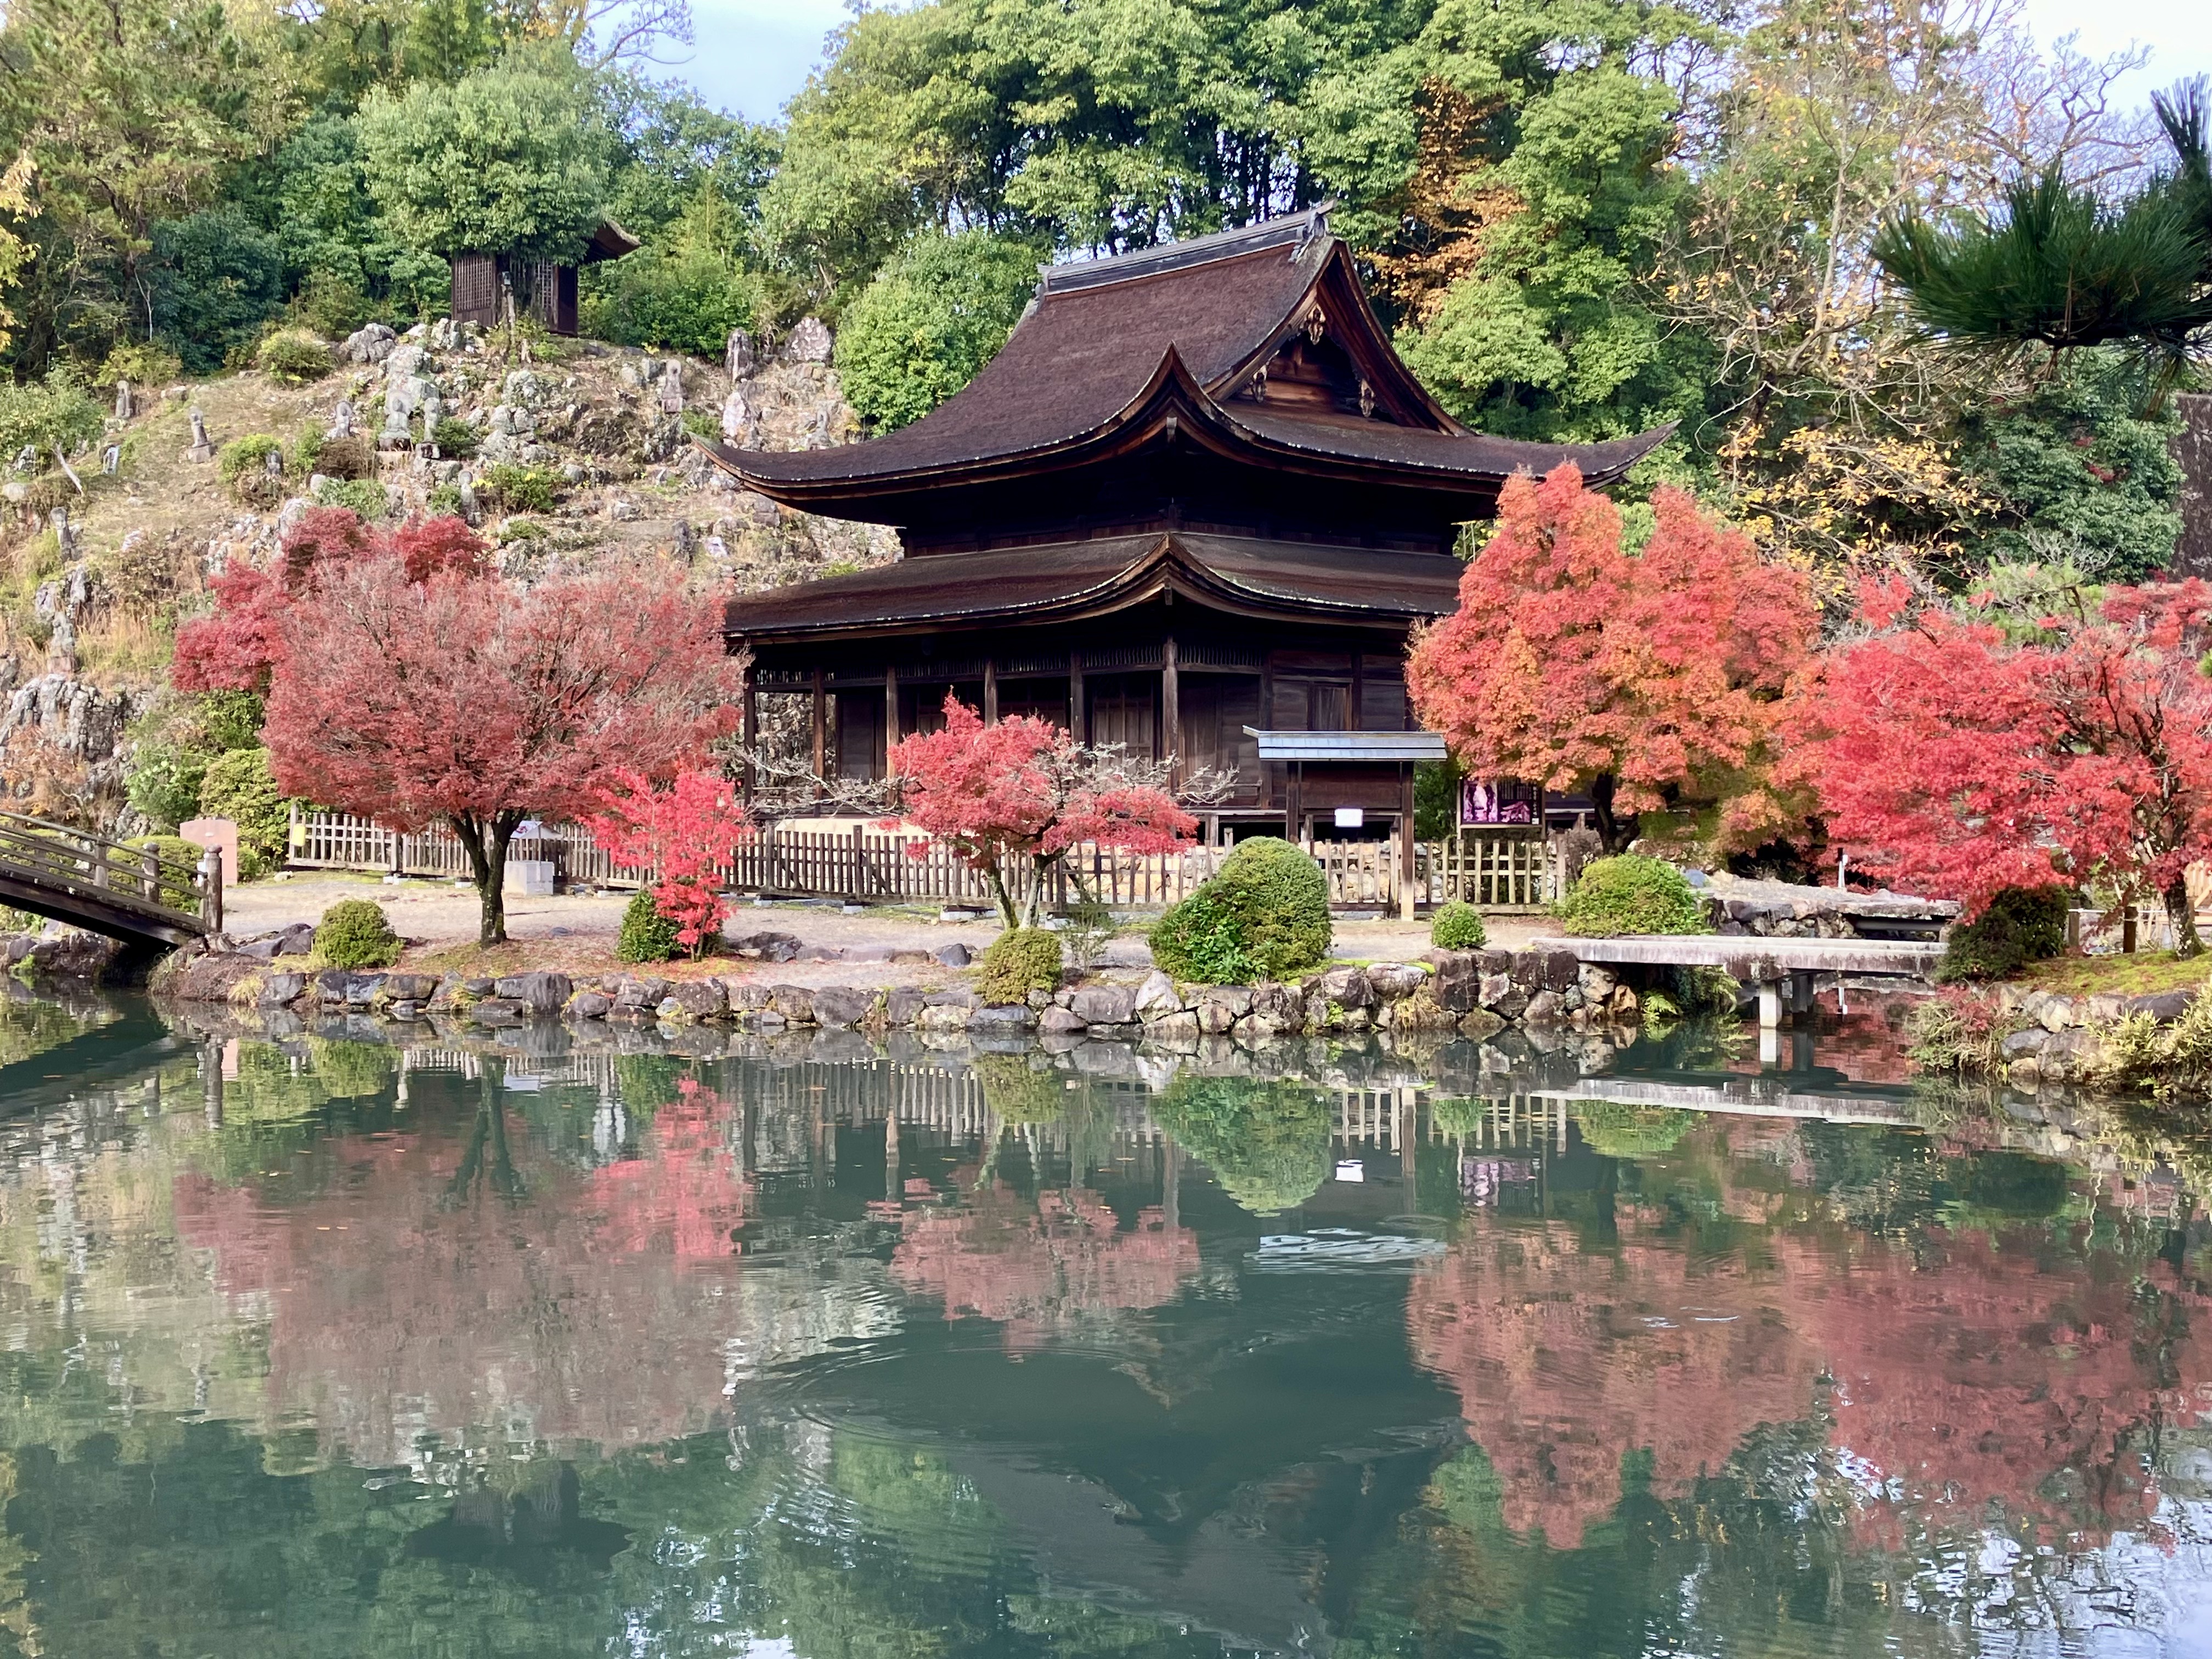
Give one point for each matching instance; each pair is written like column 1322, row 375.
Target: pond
column 316, row 1345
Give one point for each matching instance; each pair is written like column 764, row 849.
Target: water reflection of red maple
column 588, row 1306
column 1961, row 1374
column 1033, row 1266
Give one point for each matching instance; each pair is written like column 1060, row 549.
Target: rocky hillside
column 579, row 453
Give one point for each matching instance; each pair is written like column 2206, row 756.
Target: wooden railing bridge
column 131, row 893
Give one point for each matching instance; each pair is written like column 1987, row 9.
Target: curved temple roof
column 1179, row 342
column 1070, row 582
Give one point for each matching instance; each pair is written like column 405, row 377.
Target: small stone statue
column 341, row 423
column 671, row 387
column 26, row 458
column 273, row 464
column 64, row 531
column 202, row 449
column 110, row 459
column 126, row 407
column 738, row 356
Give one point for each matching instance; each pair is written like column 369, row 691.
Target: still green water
column 317, row 1346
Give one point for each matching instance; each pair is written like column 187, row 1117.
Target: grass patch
column 2143, row 973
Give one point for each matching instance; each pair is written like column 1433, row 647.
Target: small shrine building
column 1194, row 506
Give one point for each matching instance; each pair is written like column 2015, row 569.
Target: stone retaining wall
column 1467, row 992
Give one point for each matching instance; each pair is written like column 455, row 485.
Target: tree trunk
column 486, row 844
column 1615, row 834
column 2181, row 911
column 1009, row 918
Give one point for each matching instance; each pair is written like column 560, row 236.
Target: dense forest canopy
column 1582, row 217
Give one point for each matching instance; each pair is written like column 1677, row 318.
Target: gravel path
column 576, row 934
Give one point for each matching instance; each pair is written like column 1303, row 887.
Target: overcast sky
column 753, row 54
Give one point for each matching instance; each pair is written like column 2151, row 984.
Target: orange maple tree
column 1640, row 679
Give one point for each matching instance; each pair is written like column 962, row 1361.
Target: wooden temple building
column 1194, row 506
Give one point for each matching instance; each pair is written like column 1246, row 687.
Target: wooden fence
column 873, row 865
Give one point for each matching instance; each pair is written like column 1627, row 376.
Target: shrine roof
column 1113, row 350
column 1071, row 581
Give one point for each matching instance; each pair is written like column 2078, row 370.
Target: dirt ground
column 576, row 935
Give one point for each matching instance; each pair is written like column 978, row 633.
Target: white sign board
column 1351, row 817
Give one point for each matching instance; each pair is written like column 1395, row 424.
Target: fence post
column 211, row 891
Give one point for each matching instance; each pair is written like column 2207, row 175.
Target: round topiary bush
column 647, row 935
column 293, row 356
column 1199, row 939
column 1457, row 926
column 356, row 933
column 1025, row 960
column 1631, row 894
column 2020, row 925
column 1280, row 900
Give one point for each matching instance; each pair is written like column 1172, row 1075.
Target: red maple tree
column 481, row 703
column 234, row 647
column 1952, row 755
column 1636, row 679
column 1025, row 787
column 686, row 834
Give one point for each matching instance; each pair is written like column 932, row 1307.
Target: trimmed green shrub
column 356, row 933
column 244, row 462
column 1023, row 960
column 1457, row 926
column 363, row 496
column 647, row 935
column 1632, row 894
column 2022, row 925
column 293, row 356
column 1280, row 900
column 521, row 489
column 249, row 453
column 1199, row 939
column 238, row 786
column 176, row 887
column 454, row 438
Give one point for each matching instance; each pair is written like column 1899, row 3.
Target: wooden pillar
column 1351, row 714
column 990, row 690
column 1294, row 805
column 1078, row 726
column 820, row 730
column 891, row 711
column 1405, row 840
column 1170, row 710
column 749, row 718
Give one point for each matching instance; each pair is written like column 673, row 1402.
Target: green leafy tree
column 507, row 158
column 1541, row 191
column 128, row 113
column 932, row 318
column 218, row 280
column 2081, row 469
